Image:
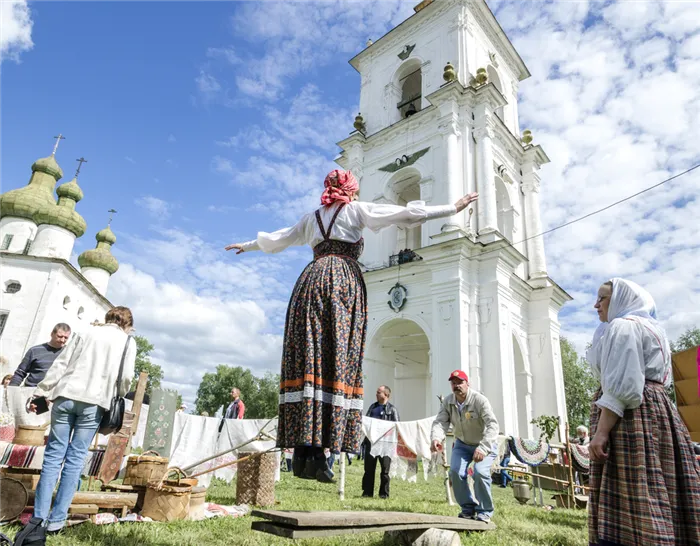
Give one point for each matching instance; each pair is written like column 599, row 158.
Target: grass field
column 517, row 525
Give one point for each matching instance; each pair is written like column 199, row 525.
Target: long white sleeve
column 280, row 239
column 622, row 372
column 60, row 365
column 377, row 216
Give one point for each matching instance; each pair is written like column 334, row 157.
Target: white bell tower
column 439, row 118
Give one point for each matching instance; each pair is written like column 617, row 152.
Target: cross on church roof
column 80, row 164
column 58, row 138
column 111, row 213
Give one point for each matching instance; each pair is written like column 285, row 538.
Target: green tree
column 260, row 394
column 687, row 340
column 144, row 364
column 579, row 385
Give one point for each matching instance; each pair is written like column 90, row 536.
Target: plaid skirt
column 324, row 341
column 648, row 490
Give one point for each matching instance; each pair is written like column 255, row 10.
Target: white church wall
column 52, row 242
column 23, row 306
column 18, row 231
column 39, row 305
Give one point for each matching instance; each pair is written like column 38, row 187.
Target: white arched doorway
column 398, row 355
column 523, row 390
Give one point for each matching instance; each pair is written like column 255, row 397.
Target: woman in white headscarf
column 645, row 481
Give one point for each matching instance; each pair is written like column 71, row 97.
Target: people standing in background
column 505, row 477
column 582, row 435
column 39, row 359
column 381, row 409
column 236, row 409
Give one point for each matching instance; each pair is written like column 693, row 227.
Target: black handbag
column 113, row 418
column 33, row 534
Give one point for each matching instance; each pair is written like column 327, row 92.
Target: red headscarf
column 340, row 186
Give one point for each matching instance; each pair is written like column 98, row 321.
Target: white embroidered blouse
column 349, row 224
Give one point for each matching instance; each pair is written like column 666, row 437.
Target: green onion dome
column 101, row 256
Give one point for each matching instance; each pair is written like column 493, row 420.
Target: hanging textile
column 698, row 361
column 161, row 417
column 580, row 458
column 93, row 463
column 529, row 452
column 19, row 456
column 405, row 464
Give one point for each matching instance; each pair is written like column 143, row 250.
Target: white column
column 449, row 129
column 533, row 221
column 485, row 183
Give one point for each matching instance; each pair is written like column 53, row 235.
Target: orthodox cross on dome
column 111, row 213
column 80, row 164
column 58, row 138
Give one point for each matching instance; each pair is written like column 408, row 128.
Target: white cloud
column 221, row 165
column 618, row 117
column 15, row 29
column 227, row 53
column 130, row 159
column 171, row 138
column 156, row 207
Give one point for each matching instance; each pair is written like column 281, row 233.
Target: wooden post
column 572, row 492
column 136, row 406
column 446, row 469
column 341, row 481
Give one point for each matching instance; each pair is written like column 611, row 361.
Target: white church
column 439, row 119
column 39, row 286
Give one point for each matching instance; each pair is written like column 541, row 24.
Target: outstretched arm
column 378, row 216
column 275, row 241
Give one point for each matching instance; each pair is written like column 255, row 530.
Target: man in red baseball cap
column 475, row 429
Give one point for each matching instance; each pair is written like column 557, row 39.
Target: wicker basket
column 197, row 498
column 141, row 469
column 167, row 500
column 255, row 482
column 27, row 435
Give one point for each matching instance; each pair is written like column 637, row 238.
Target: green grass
column 517, row 525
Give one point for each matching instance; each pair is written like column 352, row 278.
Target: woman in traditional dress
column 324, row 336
column 645, row 482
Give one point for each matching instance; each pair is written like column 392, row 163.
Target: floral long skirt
column 324, row 339
column 648, row 490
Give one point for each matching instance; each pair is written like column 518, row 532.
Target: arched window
column 406, row 89
column 66, row 301
column 496, row 81
column 81, row 311
column 12, row 287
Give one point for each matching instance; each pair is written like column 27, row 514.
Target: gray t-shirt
column 34, row 365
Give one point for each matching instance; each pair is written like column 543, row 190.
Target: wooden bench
column 404, row 527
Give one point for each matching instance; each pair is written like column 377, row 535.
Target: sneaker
column 466, row 515
column 482, row 517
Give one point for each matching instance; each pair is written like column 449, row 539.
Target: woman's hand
column 597, row 449
column 464, row 202
column 237, row 246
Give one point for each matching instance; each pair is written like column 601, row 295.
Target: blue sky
column 205, row 122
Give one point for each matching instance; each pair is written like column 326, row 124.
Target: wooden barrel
column 197, row 503
column 28, row 435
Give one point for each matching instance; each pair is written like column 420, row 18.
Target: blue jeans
column 505, row 477
column 73, row 426
column 462, row 455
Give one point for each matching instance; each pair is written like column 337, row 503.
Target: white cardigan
column 87, row 368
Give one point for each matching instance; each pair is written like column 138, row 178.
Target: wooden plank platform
column 291, row 524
